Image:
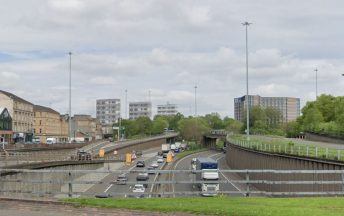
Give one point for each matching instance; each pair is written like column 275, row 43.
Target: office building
column 288, row 106
column 167, row 109
column 108, row 111
column 138, row 109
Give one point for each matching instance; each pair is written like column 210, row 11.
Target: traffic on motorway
column 142, row 178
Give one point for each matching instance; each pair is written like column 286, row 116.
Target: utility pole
column 246, row 24
column 70, row 98
column 316, row 83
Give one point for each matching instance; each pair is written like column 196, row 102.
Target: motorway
column 185, row 164
column 109, row 187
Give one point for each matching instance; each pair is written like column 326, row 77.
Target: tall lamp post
column 246, row 24
column 316, row 83
column 195, row 100
column 70, row 98
column 126, row 103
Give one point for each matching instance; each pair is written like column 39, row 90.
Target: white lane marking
column 155, row 178
column 131, row 168
column 108, row 188
column 229, row 179
column 176, row 165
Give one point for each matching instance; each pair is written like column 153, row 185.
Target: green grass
column 224, row 205
column 188, row 152
column 285, row 146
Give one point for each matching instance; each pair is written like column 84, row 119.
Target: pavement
column 25, row 208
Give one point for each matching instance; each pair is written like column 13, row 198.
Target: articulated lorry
column 207, row 171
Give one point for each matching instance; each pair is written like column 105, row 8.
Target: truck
column 173, row 147
column 165, row 148
column 207, row 170
column 51, row 140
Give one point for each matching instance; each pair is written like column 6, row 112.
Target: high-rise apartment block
column 167, row 109
column 288, row 106
column 138, row 109
column 108, row 111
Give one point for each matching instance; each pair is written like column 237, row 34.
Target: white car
column 154, row 165
column 160, row 160
column 139, row 188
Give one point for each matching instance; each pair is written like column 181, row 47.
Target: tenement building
column 288, row 106
column 139, row 109
column 21, row 112
column 5, row 126
column 48, row 123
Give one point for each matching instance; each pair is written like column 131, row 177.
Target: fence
column 71, row 183
column 292, row 149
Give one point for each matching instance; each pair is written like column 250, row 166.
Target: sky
column 167, row 47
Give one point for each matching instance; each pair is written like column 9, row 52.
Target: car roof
column 138, row 185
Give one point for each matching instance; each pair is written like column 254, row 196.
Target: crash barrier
column 67, row 183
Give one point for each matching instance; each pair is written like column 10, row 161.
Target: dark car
column 142, row 177
column 138, row 153
column 103, row 195
column 140, row 164
column 122, row 179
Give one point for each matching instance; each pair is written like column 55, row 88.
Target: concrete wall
column 241, row 158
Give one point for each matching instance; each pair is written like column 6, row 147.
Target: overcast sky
column 168, row 47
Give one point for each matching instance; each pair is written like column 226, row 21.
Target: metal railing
column 291, row 148
column 70, row 183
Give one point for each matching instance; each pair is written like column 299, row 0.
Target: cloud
column 167, row 47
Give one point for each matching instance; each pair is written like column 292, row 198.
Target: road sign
column 128, row 158
column 115, row 152
column 101, row 153
column 169, row 158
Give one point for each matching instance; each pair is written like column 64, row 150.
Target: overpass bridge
column 61, row 158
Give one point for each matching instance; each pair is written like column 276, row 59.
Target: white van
column 51, row 140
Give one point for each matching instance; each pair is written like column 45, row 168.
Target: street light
column 70, row 98
column 246, row 24
column 316, row 83
column 126, row 101
column 195, row 100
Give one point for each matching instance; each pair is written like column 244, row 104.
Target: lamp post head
column 246, row 23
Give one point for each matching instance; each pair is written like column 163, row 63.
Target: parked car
column 139, row 188
column 122, row 179
column 142, row 176
column 140, row 163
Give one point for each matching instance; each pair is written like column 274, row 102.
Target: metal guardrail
column 50, row 182
column 303, row 150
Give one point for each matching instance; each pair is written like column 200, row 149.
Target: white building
column 138, row 109
column 167, row 109
column 108, row 111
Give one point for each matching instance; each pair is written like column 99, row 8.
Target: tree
column 193, row 128
column 144, row 125
column 312, row 118
column 214, row 121
column 159, row 124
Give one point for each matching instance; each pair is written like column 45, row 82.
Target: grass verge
column 224, row 205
